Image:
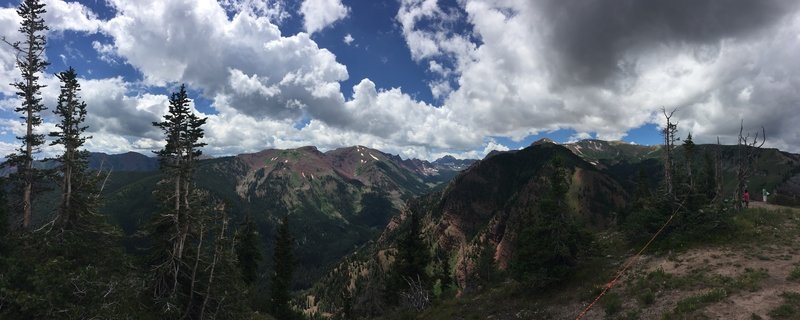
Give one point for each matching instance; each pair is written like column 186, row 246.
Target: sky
column 419, row 78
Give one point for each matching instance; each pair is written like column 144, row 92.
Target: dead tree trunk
column 747, row 150
column 218, row 248
column 194, row 274
column 669, row 131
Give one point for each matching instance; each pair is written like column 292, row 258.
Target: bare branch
column 103, row 186
column 14, row 45
column 416, row 296
column 110, row 288
column 746, row 153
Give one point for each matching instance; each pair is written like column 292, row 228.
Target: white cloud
column 348, row 39
column 62, row 15
column 494, row 66
column 210, row 52
column 105, row 52
column 440, row 88
column 258, row 78
column 9, row 23
column 508, row 84
column 59, row 17
column 319, row 14
column 274, row 10
column 578, row 137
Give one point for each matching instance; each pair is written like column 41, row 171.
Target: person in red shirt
column 746, row 198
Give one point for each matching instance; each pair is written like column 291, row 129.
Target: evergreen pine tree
column 413, row 252
column 78, row 194
column 688, row 149
column 31, row 61
column 248, row 251
column 642, row 192
column 709, row 184
column 282, row 275
column 485, row 265
column 177, row 224
column 547, row 245
column 411, row 260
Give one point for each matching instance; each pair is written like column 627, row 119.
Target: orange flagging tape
column 627, row 265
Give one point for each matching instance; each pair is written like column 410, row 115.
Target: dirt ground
column 775, row 259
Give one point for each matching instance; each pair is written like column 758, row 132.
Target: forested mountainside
column 352, row 211
column 470, row 230
column 337, row 200
column 473, row 220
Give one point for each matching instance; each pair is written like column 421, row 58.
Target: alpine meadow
column 399, row 159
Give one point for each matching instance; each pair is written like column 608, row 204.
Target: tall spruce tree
column 31, row 62
column 248, row 251
column 413, row 255
column 282, row 274
column 547, row 244
column 709, row 182
column 689, row 154
column 171, row 230
column 411, row 261
column 78, row 188
column 183, row 130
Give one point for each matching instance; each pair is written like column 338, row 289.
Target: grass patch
column 749, row 280
column 789, row 308
column 612, row 303
column 764, row 225
column 696, row 302
column 783, row 311
column 794, row 275
column 646, row 297
column 718, row 288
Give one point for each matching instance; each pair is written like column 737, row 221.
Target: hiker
column 746, row 198
column 764, row 193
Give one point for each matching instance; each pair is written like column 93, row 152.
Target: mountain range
column 347, row 206
column 336, row 200
column 475, row 217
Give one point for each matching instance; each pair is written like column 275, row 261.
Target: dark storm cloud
column 591, row 37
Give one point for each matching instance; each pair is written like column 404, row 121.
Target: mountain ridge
column 479, row 208
column 338, row 199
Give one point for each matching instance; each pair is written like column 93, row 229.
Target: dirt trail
column 777, row 260
column 759, row 204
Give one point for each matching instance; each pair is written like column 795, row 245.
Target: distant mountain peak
column 543, row 141
column 128, row 161
column 453, row 163
column 309, row 148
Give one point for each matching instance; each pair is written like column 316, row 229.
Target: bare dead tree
column 669, row 133
column 198, row 254
column 416, row 296
column 747, row 150
column 218, row 248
